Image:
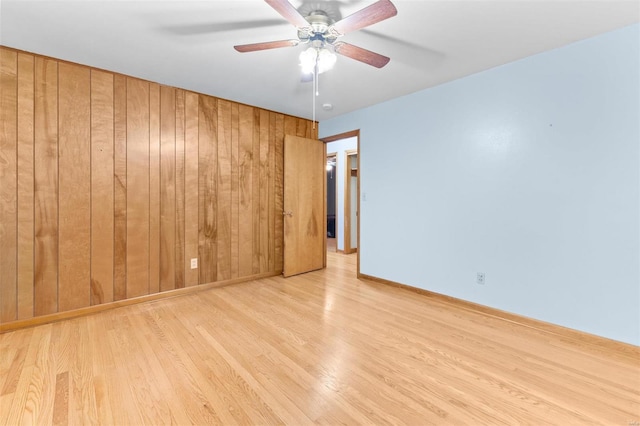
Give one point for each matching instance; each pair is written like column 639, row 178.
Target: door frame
column 345, row 135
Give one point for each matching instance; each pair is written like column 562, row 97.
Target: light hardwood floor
column 317, row 348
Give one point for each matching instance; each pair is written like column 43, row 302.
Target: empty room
column 266, row 212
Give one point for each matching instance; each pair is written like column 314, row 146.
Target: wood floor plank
column 102, row 365
column 82, row 402
column 61, row 404
column 12, row 373
column 318, row 348
column 30, row 394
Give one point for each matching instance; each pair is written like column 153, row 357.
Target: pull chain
column 314, row 94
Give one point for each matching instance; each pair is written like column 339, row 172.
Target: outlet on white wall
column 194, row 263
column 480, row 278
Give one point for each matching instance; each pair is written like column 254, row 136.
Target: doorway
column 332, row 198
column 345, row 147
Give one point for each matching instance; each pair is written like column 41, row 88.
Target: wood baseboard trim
column 89, row 310
column 558, row 330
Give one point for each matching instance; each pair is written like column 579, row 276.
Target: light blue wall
column 528, row 172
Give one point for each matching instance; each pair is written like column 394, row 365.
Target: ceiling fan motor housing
column 319, row 21
column 318, row 33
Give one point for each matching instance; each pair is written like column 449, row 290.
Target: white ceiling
column 189, row 44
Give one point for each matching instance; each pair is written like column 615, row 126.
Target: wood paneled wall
column 110, row 185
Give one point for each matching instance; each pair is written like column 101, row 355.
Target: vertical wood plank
column 26, row 223
column 245, row 191
column 207, row 169
column 46, row 186
column 101, row 187
column 290, row 125
column 8, row 185
column 180, row 126
column 120, row 188
column 278, row 192
column 154, row 188
column 271, row 220
column 74, row 124
column 137, row 188
column 264, row 190
column 301, row 128
column 256, row 191
column 167, row 188
column 235, row 124
column 191, row 186
column 223, row 211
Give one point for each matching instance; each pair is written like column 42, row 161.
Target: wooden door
column 304, row 208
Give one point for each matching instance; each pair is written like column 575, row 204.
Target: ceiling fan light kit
column 314, row 58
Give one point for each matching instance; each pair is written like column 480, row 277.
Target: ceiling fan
column 318, row 30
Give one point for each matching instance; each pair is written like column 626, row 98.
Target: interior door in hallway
column 304, row 207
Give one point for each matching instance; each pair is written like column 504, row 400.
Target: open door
column 305, row 233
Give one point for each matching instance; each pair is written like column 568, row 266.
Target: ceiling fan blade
column 378, row 11
column 266, row 45
column 360, row 54
column 288, row 12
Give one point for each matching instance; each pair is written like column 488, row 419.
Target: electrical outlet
column 480, row 278
column 194, row 263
